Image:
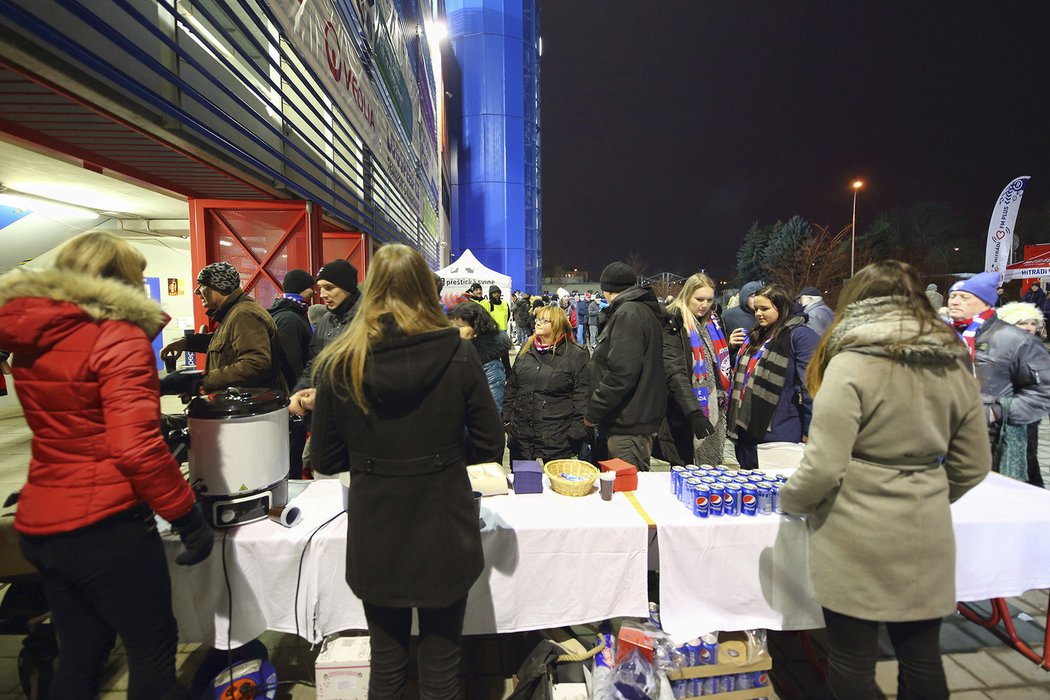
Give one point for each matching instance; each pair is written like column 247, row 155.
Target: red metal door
column 348, row 245
column 263, row 240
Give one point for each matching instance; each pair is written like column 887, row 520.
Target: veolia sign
column 317, row 30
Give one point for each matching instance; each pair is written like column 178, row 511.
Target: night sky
column 669, row 127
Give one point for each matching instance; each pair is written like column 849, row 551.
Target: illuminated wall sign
column 408, row 155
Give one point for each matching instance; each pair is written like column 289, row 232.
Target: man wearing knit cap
column 337, row 284
column 294, row 332
column 243, row 351
column 293, row 327
column 627, row 371
column 1008, row 362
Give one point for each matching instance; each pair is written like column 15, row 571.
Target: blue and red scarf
column 967, row 329
column 700, row 368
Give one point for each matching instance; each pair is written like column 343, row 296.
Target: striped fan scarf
column 967, row 330
column 759, row 381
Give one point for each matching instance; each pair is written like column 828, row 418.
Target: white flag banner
column 1001, row 227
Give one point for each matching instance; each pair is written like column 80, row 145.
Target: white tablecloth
column 550, row 560
column 753, row 572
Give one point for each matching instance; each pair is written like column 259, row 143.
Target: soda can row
column 716, row 685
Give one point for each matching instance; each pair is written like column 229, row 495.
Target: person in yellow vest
column 497, row 308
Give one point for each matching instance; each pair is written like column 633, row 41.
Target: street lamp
column 857, row 184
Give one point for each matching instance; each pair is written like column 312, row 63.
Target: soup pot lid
column 236, row 402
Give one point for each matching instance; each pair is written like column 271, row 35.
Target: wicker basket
column 583, row 476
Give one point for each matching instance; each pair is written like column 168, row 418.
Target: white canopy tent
column 466, row 270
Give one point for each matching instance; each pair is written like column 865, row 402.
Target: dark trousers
column 746, row 449
column 855, row 649
column 440, row 633
column 1035, row 477
column 633, row 449
column 297, row 431
column 105, row 580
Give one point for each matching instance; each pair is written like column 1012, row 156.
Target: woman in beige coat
column 898, row 434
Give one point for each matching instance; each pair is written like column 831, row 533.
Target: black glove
column 181, row 382
column 196, row 535
column 701, row 425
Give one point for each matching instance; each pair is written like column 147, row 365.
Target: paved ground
column 978, row 665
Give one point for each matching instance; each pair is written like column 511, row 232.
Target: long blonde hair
column 398, row 283
column 560, row 327
column 681, row 302
column 101, row 254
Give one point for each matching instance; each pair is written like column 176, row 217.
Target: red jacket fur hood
column 84, row 373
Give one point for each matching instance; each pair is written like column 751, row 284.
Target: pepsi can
column 692, row 652
column 742, row 480
column 708, row 480
column 654, row 615
column 715, row 497
column 676, row 480
column 708, row 655
column 702, row 501
column 764, row 491
column 681, row 689
column 726, row 684
column 776, row 497
column 708, row 686
column 780, row 478
column 689, row 490
column 696, row 687
column 731, row 501
column 724, row 479
column 759, row 679
column 756, row 477
column 749, row 500
column 744, row 681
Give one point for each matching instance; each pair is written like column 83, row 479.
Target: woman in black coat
column 403, row 404
column 547, row 392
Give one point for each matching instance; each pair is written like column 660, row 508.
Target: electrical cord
column 295, row 602
column 295, row 605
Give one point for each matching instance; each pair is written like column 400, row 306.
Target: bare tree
column 636, row 262
column 820, row 260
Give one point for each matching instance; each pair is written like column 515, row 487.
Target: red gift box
column 626, row 474
column 631, row 638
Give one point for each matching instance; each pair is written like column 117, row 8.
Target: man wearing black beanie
column 627, row 370
column 295, row 334
column 337, row 284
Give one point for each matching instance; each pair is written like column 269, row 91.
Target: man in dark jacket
column 337, row 284
column 295, row 333
column 243, row 351
column 742, row 315
column 293, row 327
column 1010, row 363
column 581, row 321
column 629, row 385
column 818, row 314
column 523, row 317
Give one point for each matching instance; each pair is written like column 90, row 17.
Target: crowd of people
column 902, row 399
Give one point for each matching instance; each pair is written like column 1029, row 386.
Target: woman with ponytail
column 898, row 434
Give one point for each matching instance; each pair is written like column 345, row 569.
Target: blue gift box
column 528, row 476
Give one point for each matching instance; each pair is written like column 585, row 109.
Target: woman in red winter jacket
column 82, row 361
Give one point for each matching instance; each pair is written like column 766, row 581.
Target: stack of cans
column 703, row 651
column 715, row 491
